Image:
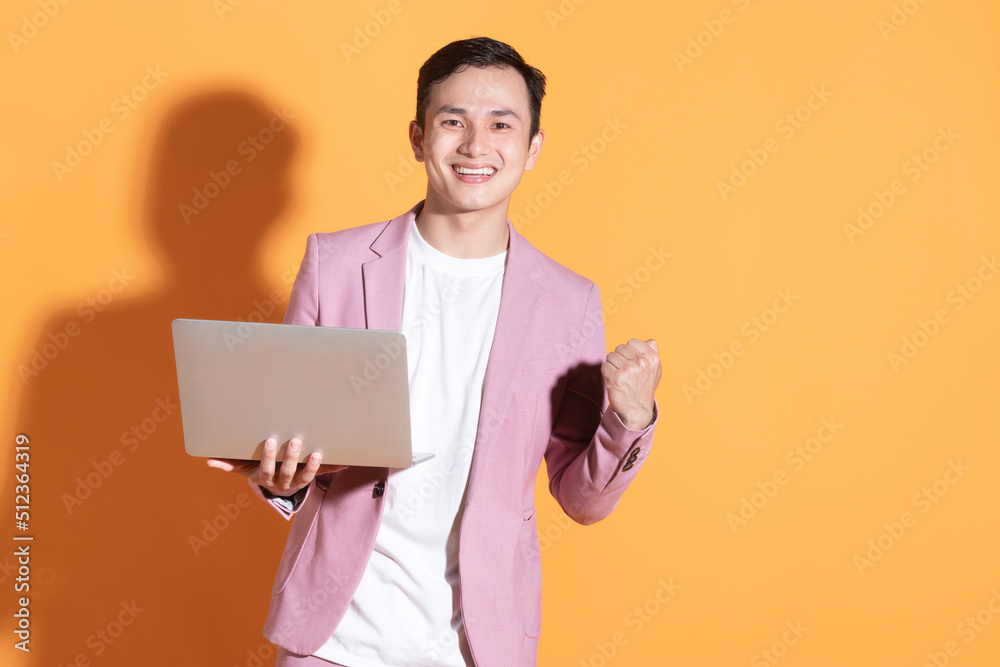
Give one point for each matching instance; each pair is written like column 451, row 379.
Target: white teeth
column 484, row 171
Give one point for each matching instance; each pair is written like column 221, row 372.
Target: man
column 439, row 564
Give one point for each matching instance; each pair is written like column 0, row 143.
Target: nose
column 475, row 142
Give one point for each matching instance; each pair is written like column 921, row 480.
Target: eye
column 501, row 126
column 451, row 120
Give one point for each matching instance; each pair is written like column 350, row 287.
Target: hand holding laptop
column 289, row 478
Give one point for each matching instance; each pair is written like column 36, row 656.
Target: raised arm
column 603, row 430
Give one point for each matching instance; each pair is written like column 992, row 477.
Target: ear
column 534, row 148
column 417, row 141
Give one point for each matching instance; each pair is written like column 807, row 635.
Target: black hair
column 481, row 52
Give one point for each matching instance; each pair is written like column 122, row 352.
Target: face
column 475, row 140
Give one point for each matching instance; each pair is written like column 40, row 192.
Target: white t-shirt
column 406, row 609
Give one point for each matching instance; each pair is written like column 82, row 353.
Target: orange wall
column 827, row 456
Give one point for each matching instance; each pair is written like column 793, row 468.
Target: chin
column 471, row 203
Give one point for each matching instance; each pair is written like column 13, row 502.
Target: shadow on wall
column 142, row 554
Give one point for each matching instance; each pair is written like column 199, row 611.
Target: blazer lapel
column 384, row 277
column 518, row 298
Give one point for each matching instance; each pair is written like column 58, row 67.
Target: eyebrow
column 459, row 111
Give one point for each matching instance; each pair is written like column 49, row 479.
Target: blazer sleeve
column 591, row 457
column 303, row 308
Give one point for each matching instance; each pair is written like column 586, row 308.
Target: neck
column 464, row 234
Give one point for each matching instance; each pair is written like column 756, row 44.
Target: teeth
column 485, row 171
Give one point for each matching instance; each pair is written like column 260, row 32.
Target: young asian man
column 439, row 564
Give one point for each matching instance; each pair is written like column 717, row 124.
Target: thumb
column 652, row 343
column 221, row 464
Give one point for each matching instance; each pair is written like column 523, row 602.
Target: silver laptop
column 343, row 392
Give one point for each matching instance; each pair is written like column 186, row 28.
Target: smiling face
column 475, row 141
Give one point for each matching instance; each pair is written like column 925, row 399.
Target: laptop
column 343, row 392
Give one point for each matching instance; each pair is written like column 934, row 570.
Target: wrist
column 279, row 494
column 638, row 422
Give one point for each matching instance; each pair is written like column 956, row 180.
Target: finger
column 617, row 359
column 267, row 461
column 646, row 349
column 323, row 468
column 645, row 352
column 290, row 464
column 309, row 471
column 628, row 350
column 246, row 468
column 614, row 360
column 221, row 464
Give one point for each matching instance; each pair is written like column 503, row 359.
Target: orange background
column 642, row 139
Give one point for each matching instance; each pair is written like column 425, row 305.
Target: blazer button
column 627, row 466
column 635, row 453
column 379, row 489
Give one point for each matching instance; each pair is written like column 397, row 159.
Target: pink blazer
column 543, row 396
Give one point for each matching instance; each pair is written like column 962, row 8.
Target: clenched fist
column 632, row 372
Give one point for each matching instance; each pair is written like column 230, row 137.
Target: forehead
column 475, row 88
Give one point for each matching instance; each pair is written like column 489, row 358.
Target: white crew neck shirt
column 406, row 611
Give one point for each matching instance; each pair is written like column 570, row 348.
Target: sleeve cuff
column 290, row 503
column 618, row 429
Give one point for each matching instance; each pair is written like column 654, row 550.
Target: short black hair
column 481, row 52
